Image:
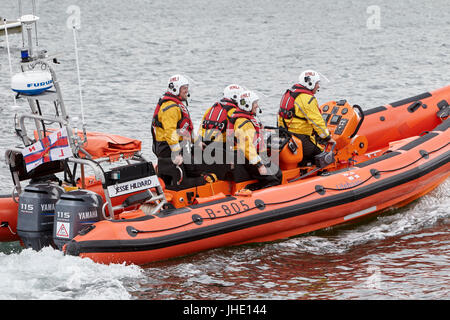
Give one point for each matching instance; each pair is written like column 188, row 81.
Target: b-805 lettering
column 227, row 209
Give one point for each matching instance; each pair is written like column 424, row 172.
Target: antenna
column 74, row 24
column 78, row 74
column 35, row 24
column 20, row 14
column 28, row 20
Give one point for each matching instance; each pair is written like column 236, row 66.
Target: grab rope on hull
column 5, row 224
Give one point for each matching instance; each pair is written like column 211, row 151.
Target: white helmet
column 233, row 92
column 309, row 78
column 247, row 99
column 176, row 82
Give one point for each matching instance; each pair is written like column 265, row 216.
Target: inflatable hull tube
column 278, row 212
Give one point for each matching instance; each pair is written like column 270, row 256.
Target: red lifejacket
column 217, row 117
column 287, row 107
column 258, row 140
column 184, row 125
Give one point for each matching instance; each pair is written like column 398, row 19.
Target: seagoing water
column 129, row 49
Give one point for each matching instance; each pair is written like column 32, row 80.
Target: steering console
column 344, row 121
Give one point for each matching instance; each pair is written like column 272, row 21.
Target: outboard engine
column 36, row 214
column 75, row 211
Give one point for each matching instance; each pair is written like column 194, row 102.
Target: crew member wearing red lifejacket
column 213, row 132
column 249, row 145
column 172, row 132
column 299, row 113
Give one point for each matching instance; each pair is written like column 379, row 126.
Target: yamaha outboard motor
column 74, row 212
column 36, row 214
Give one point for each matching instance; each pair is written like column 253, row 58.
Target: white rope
column 6, row 224
column 78, row 74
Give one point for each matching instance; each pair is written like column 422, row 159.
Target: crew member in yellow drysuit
column 299, row 113
column 250, row 162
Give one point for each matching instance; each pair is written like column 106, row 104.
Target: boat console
column 344, row 121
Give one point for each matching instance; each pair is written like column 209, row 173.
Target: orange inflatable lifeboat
column 383, row 158
column 386, row 157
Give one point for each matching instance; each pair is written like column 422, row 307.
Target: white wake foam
column 49, row 274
